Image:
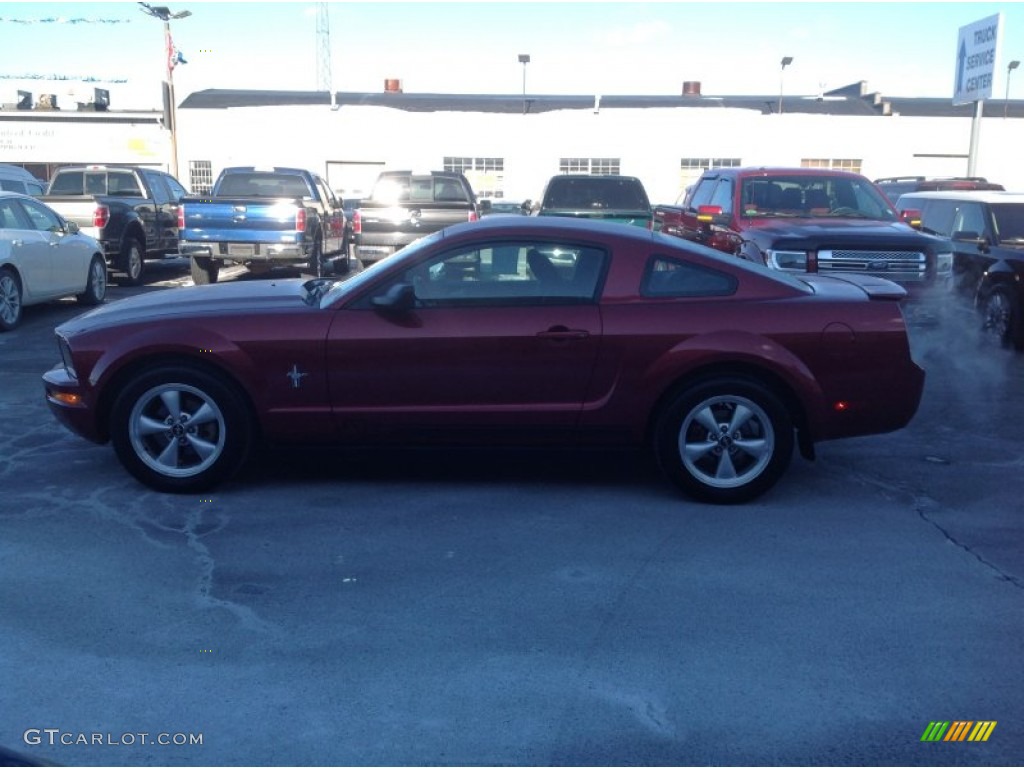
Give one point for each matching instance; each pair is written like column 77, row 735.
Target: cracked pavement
column 333, row 608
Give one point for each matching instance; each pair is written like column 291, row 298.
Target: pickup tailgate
column 396, row 225
column 243, row 220
column 78, row 209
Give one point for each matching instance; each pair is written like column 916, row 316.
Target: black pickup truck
column 132, row 211
column 405, row 206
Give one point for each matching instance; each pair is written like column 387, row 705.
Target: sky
column 607, row 48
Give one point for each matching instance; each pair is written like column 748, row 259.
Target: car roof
column 981, row 195
column 784, row 171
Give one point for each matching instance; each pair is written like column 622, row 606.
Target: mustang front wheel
column 180, row 429
column 724, row 441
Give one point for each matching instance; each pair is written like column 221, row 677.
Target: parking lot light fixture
column 1009, row 69
column 171, row 57
column 786, row 61
column 524, row 59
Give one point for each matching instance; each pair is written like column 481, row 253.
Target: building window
column 706, row 163
column 486, row 175
column 836, row 164
column 200, row 176
column 595, row 166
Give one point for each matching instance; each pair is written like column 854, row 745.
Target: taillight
column 300, row 220
column 472, row 216
column 181, row 217
column 357, row 223
column 100, row 216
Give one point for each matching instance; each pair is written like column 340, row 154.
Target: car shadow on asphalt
column 272, row 465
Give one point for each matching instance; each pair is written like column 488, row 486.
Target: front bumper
column 72, row 404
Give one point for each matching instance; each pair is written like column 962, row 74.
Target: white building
column 509, row 146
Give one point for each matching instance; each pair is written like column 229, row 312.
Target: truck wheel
column 10, row 299
column 132, row 262
column 96, row 286
column 724, row 441
column 204, row 270
column 316, row 258
column 1002, row 319
column 180, row 429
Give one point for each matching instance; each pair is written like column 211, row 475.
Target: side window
column 509, row 273
column 177, row 190
column 970, row 218
column 43, row 219
column 671, row 278
column 936, row 215
column 11, row 185
column 723, row 195
column 702, row 193
column 9, row 216
column 161, row 194
column 122, row 184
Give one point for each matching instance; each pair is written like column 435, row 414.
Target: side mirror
column 485, row 207
column 70, row 228
column 911, row 217
column 526, row 207
column 400, row 297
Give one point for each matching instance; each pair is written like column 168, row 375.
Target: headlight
column 65, row 356
column 795, row 261
column 943, row 263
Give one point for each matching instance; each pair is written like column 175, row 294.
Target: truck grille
column 897, row 265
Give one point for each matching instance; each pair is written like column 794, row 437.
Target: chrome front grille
column 899, row 265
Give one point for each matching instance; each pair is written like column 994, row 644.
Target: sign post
column 977, row 50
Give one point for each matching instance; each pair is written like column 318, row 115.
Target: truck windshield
column 813, row 197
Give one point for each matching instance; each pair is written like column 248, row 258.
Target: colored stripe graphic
column 982, row 730
column 958, row 730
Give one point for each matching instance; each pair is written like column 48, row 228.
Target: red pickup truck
column 806, row 220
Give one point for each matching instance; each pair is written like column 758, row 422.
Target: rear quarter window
column 666, row 277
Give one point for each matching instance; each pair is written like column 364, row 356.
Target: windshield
column 344, row 288
column 815, row 197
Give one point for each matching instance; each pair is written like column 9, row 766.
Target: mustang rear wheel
column 725, row 440
column 180, row 429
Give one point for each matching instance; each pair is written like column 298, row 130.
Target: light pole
column 786, row 61
column 524, row 59
column 1009, row 68
column 163, row 13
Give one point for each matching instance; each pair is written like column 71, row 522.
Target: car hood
column 222, row 298
column 808, row 233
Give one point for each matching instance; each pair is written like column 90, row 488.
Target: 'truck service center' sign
column 976, row 53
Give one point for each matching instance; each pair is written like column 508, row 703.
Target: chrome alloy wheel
column 177, row 430
column 998, row 312
column 10, row 299
column 726, row 441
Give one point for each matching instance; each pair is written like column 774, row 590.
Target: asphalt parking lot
column 446, row 607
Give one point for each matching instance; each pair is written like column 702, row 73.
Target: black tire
column 724, row 441
column 204, row 270
column 316, row 258
column 10, row 299
column 96, row 286
column 132, row 261
column 180, row 429
column 1001, row 318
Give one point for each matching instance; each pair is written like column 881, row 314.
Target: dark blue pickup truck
column 263, row 217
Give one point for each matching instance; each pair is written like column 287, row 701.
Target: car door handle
column 17, row 242
column 561, row 332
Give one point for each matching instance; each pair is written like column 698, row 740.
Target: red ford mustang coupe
column 506, row 331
